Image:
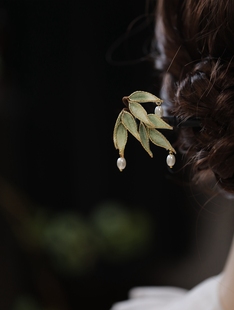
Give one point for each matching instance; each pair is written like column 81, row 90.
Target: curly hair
column 195, row 44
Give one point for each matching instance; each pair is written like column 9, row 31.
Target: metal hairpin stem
column 176, row 122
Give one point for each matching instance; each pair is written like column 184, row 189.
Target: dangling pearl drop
column 121, row 163
column 170, row 160
column 158, row 110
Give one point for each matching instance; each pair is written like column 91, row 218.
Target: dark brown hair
column 195, row 44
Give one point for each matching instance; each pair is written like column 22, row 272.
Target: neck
column 227, row 283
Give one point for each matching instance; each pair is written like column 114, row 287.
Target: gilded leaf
column 143, row 96
column 145, row 139
column 159, row 122
column 118, row 121
column 159, row 139
column 130, row 124
column 140, row 113
column 121, row 138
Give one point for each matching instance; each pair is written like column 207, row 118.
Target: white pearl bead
column 121, row 163
column 158, row 110
column 170, row 160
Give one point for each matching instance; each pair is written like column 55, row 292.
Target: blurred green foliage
column 75, row 243
column 123, row 233
column 69, row 241
column 28, row 303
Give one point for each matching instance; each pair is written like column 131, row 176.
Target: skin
column 226, row 289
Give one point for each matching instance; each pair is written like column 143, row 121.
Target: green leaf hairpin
column 134, row 119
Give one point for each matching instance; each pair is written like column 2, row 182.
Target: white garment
column 204, row 296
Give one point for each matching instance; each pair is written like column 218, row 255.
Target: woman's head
column 195, row 42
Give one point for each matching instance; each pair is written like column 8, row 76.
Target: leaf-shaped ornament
column 143, row 96
column 140, row 113
column 158, row 122
column 121, row 138
column 160, row 140
column 130, row 124
column 117, row 122
column 145, row 139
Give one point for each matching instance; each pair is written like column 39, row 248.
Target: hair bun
column 207, row 92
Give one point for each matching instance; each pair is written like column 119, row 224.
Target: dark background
column 75, row 232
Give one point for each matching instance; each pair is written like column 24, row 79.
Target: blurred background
column 76, row 232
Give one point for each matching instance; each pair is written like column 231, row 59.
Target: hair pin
column 144, row 127
column 174, row 121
